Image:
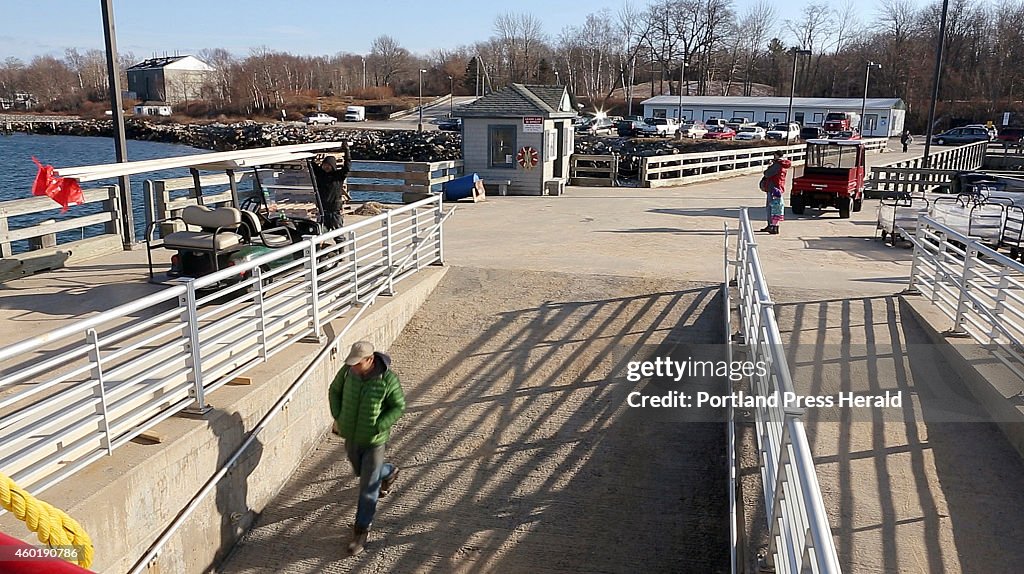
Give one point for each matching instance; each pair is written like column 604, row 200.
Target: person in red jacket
column 774, row 185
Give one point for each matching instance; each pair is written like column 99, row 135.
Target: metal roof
column 520, row 100
column 165, row 61
column 776, row 102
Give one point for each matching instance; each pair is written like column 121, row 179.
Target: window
column 709, row 114
column 870, row 122
column 659, row 113
column 502, row 143
column 552, row 145
column 817, row 118
column 775, row 117
column 798, row 117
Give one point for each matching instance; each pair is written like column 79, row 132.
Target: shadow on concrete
column 861, row 247
column 930, row 486
column 518, row 449
column 232, row 492
column 730, row 213
column 672, row 230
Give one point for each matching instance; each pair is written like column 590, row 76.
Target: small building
column 521, row 134
column 152, row 109
column 883, row 117
column 173, row 79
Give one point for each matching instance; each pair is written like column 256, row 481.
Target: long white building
column 883, row 116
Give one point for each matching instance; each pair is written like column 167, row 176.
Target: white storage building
column 884, row 117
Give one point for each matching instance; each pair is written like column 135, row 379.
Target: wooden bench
column 502, row 185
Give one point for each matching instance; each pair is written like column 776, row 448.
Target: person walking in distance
column 366, row 400
column 332, row 188
column 773, row 184
column 906, row 139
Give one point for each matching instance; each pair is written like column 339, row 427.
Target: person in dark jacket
column 332, row 188
column 366, row 400
column 906, row 139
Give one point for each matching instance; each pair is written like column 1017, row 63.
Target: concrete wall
column 127, row 500
column 476, row 154
column 148, row 84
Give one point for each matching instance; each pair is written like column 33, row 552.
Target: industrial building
column 172, row 79
column 883, row 117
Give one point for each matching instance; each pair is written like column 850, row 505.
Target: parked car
column 750, row 133
column 1012, row 135
column 693, row 130
column 658, row 127
column 450, row 124
column 320, row 118
column 719, row 133
column 596, row 126
column 847, row 135
column 720, row 122
column 737, row 123
column 764, row 125
column 957, row 136
column 785, row 132
column 812, row 133
column 629, row 128
column 992, row 131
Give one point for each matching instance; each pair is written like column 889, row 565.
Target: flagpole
column 117, row 113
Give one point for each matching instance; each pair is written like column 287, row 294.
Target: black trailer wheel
column 858, row 204
column 798, row 205
column 844, row 207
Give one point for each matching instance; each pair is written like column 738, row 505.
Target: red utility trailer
column 833, row 177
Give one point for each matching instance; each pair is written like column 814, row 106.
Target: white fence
column 981, row 290
column 681, row 169
column 74, row 395
column 800, row 536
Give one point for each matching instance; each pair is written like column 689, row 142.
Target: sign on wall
column 533, row 125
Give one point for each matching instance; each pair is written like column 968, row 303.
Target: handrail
column 799, row 531
column 78, row 393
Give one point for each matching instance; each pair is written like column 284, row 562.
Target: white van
column 355, row 114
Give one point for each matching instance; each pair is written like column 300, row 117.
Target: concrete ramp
column 518, row 449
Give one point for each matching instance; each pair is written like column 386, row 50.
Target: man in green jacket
column 366, row 400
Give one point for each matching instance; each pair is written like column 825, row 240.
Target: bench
column 502, row 186
column 219, row 233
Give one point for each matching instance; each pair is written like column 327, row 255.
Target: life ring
column 528, row 158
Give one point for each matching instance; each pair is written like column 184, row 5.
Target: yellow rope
column 53, row 526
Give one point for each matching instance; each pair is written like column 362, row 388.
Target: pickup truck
column 320, row 118
column 658, row 127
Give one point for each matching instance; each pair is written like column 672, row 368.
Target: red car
column 1012, row 135
column 719, row 133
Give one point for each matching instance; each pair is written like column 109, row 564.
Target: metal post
column 792, row 86
column 419, row 126
column 679, row 112
column 1000, row 304
column 364, row 73
column 390, row 254
column 864, row 102
column 261, row 314
column 438, row 218
column 194, row 359
column 970, row 254
column 935, row 84
column 97, row 376
column 314, row 289
column 355, row 267
column 117, row 115
column 451, row 97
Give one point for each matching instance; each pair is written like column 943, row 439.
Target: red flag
column 63, row 190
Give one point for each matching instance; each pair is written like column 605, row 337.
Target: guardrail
column 594, row 170
column 19, row 222
column 800, row 537
column 980, row 289
column 78, row 393
column 912, row 176
column 681, row 169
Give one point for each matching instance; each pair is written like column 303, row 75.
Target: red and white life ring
column 528, row 158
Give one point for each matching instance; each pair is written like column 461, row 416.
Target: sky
column 144, row 27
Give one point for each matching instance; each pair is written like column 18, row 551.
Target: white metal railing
column 76, row 394
column 980, row 289
column 800, row 536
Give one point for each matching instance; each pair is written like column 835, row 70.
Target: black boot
column 358, row 540
column 774, row 230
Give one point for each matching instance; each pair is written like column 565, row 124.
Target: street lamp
column 792, row 85
column 451, row 97
column 364, row 73
column 557, row 83
column 682, row 70
column 935, row 84
column 419, row 127
column 864, row 103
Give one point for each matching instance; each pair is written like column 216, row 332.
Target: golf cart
column 239, row 225
column 833, row 177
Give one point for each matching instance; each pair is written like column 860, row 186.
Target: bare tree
column 388, row 58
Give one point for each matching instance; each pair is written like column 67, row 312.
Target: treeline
column 714, row 45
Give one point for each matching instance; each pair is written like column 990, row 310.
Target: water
column 18, row 173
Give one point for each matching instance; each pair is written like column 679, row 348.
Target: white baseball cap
column 360, row 350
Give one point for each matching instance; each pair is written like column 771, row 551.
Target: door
column 558, row 167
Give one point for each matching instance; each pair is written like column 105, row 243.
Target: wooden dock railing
column 681, row 169
column 912, row 176
column 594, row 170
column 45, row 247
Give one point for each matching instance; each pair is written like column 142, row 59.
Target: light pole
column 557, row 83
column 864, row 103
column 364, row 73
column 935, row 85
column 451, row 97
column 792, row 84
column 419, row 127
column 682, row 70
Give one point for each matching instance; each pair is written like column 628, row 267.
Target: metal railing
column 800, row 536
column 915, row 175
column 980, row 289
column 76, row 394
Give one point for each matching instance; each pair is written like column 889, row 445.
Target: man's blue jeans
column 368, row 463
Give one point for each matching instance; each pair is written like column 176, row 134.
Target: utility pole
column 792, row 86
column 117, row 114
column 864, row 102
column 935, row 85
